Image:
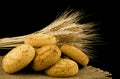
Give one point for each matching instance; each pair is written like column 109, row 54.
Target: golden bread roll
column 18, row 58
column 45, row 57
column 75, row 54
column 63, row 68
column 40, row 39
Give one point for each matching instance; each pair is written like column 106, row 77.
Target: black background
column 20, row 18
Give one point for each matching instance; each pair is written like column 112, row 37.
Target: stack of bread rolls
column 41, row 52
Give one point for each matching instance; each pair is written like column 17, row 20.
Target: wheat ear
column 66, row 29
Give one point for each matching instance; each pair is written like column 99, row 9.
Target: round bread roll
column 75, row 54
column 63, row 68
column 45, row 57
column 40, row 39
column 18, row 58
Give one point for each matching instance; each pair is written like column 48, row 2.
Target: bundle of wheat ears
column 67, row 30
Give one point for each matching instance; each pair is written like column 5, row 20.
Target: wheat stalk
column 66, row 29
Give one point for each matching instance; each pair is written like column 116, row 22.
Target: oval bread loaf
column 45, row 57
column 18, row 58
column 75, row 54
column 63, row 68
column 40, row 39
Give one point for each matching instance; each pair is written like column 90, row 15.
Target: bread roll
column 45, row 57
column 75, row 54
column 63, row 68
column 40, row 39
column 18, row 58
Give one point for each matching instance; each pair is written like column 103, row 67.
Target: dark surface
column 23, row 18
